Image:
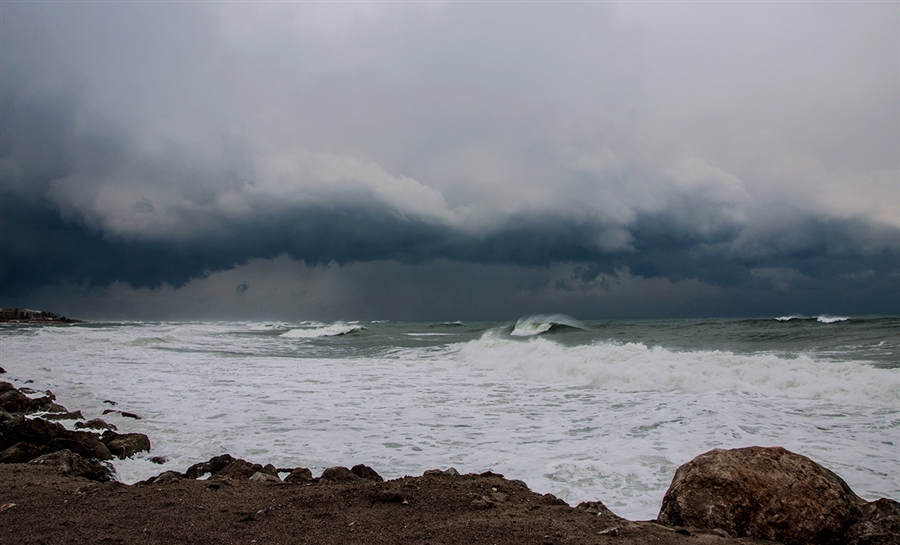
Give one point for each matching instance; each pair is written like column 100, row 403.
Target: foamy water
column 597, row 413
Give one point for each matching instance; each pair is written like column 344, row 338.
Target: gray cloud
column 155, row 147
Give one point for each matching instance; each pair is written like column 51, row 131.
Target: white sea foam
column 634, row 367
column 791, row 317
column 333, row 330
column 831, row 319
column 602, row 421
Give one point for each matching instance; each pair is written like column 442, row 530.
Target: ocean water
column 602, row 410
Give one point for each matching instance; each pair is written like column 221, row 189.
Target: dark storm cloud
column 591, row 148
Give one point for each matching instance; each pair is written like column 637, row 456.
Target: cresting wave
column 535, row 325
column 823, row 319
column 334, row 330
column 634, row 367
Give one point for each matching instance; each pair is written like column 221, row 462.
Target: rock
column 366, row 473
column 64, row 416
column 95, row 424
column 36, row 431
column 158, row 460
column 213, row 466
column 69, row 464
column 450, row 472
column 2, row 370
column 83, row 443
column 879, row 524
column 596, row 508
column 14, row 401
column 19, row 453
column 166, row 477
column 259, row 476
column 299, row 475
column 550, row 499
column 126, row 445
column 340, row 474
column 121, row 413
column 765, row 493
column 239, row 470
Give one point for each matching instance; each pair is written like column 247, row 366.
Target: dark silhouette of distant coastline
column 29, row 316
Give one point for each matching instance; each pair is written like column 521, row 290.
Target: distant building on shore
column 30, row 315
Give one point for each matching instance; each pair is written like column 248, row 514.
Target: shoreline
column 55, row 496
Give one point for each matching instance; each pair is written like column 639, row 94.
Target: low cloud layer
column 602, row 160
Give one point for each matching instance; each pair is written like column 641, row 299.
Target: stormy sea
column 594, row 410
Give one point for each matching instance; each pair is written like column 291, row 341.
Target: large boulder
column 765, row 493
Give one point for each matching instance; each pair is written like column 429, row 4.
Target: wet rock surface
column 774, row 494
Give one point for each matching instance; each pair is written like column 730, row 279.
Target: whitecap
column 333, row 330
column 831, row 319
column 543, row 323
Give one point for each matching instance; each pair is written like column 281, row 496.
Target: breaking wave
column 831, row 319
column 823, row 319
column 333, row 330
column 536, row 325
column 634, row 367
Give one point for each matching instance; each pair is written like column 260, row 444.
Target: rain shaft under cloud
column 535, row 157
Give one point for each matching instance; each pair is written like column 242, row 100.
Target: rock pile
column 25, row 438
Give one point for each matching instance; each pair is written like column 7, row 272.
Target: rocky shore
column 57, row 486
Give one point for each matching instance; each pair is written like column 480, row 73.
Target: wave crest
column 831, row 319
column 633, row 367
column 333, row 330
column 544, row 323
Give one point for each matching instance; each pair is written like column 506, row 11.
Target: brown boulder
column 213, row 466
column 299, row 475
column 83, row 443
column 340, row 474
column 242, row 470
column 366, row 473
column 69, row 464
column 765, row 493
column 125, row 445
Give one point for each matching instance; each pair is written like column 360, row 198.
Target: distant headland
column 29, row 316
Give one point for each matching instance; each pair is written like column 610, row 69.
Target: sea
column 585, row 410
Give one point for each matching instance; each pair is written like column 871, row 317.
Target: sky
column 449, row 160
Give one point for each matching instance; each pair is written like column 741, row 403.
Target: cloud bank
column 470, row 160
